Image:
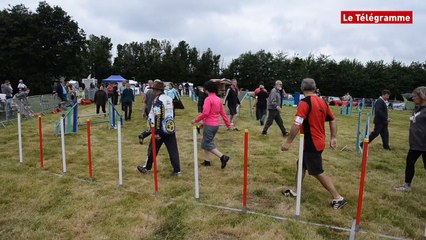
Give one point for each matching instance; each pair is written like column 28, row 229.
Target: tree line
column 42, row 46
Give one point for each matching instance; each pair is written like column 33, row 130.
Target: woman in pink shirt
column 212, row 108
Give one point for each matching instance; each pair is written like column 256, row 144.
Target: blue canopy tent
column 114, row 79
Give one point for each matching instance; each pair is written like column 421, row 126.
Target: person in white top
column 21, row 86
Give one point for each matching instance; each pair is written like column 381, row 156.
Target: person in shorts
column 212, row 109
column 312, row 113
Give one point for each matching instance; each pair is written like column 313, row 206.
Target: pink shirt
column 212, row 108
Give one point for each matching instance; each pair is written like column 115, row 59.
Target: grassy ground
column 41, row 204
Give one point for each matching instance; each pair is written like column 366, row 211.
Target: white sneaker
column 289, row 193
column 404, row 188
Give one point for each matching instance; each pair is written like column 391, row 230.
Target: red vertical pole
column 245, row 169
column 89, row 149
column 361, row 184
column 40, row 135
column 154, row 158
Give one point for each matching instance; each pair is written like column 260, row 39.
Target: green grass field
column 43, row 204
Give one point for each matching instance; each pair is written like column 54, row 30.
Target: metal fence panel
column 37, row 104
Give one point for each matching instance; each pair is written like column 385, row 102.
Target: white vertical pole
column 424, row 237
column 353, row 232
column 197, row 186
column 299, row 177
column 120, row 164
column 250, row 107
column 64, row 161
column 21, row 160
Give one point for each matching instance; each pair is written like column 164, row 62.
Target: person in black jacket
column 101, row 98
column 201, row 97
column 261, row 103
column 61, row 91
column 233, row 103
column 381, row 120
column 115, row 94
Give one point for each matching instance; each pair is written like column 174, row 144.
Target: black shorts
column 312, row 161
column 232, row 110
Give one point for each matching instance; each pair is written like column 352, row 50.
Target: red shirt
column 311, row 115
column 257, row 90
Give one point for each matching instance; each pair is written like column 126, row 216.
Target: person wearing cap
column 161, row 118
column 127, row 99
column 21, row 85
column 417, row 137
column 149, row 98
column 311, row 115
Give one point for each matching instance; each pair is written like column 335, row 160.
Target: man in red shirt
column 260, row 103
column 312, row 113
column 260, row 88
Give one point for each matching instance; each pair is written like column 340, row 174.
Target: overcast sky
column 233, row 27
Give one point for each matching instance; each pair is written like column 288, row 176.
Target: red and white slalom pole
column 196, row 180
column 40, row 135
column 299, row 176
column 64, row 161
column 154, row 159
column 89, row 150
column 361, row 184
column 245, row 170
column 120, row 163
column 21, row 159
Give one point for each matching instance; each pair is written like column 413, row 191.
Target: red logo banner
column 376, row 17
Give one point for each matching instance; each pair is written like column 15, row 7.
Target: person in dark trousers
column 202, row 95
column 61, row 91
column 187, row 89
column 232, row 99
column 417, row 137
column 101, row 98
column 312, row 113
column 115, row 94
column 381, row 120
column 127, row 99
column 261, row 103
column 161, row 118
column 274, row 109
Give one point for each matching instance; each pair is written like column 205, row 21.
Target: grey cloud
column 231, row 28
